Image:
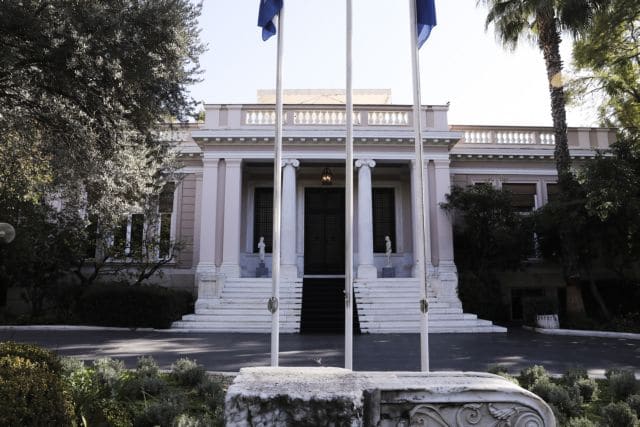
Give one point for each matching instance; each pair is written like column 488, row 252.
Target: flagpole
column 419, row 210
column 277, row 200
column 348, row 276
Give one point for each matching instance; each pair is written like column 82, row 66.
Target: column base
column 288, row 272
column 367, row 272
column 207, row 281
column 444, row 281
column 230, row 270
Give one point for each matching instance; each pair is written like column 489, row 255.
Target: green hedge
column 130, row 306
column 31, row 389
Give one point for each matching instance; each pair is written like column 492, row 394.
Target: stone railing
column 378, row 116
column 597, row 138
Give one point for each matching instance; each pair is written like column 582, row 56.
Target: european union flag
column 425, row 19
column 268, row 10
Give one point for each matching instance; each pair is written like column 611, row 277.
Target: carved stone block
column 337, row 397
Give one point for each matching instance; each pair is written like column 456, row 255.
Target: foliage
column 634, row 403
column 503, row 372
column 580, row 422
column 618, row 414
column 106, row 394
column 622, row 383
column 607, row 60
column 531, row 375
column 30, row 387
column 32, row 353
column 84, row 89
column 566, row 402
column 134, row 306
column 543, row 21
column 535, row 306
column 489, row 236
column 187, row 372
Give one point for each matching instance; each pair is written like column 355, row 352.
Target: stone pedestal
column 388, row 272
column 340, row 397
column 262, row 270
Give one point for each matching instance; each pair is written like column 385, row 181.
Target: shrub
column 502, row 371
column 618, row 414
column 33, row 353
column 634, row 403
column 134, row 306
column 588, row 388
column 187, row 372
column 580, row 422
column 107, row 373
column 529, row 376
column 31, row 394
column 160, row 413
column 573, row 375
column 622, row 383
column 534, row 306
column 565, row 402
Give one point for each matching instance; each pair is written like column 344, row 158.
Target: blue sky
column 461, row 63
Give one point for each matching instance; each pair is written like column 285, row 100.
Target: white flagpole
column 348, row 265
column 277, row 200
column 419, row 210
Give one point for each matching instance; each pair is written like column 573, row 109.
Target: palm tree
column 544, row 21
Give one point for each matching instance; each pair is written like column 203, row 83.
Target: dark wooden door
column 324, row 231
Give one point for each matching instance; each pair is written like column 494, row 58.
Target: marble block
column 340, row 397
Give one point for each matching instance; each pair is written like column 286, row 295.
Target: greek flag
column 268, row 10
column 425, row 19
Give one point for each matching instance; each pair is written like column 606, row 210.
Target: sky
column 461, row 63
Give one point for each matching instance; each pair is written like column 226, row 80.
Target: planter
column 547, row 321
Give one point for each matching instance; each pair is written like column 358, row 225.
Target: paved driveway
column 230, row 352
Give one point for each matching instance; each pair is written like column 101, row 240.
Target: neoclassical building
column 223, row 206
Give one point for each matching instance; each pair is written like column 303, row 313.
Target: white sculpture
column 261, row 246
column 387, row 244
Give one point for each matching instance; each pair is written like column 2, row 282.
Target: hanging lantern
column 327, row 177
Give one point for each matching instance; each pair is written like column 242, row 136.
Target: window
column 165, row 210
column 263, row 218
column 523, row 196
column 384, row 218
column 137, row 234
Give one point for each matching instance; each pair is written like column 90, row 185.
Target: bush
column 31, row 392
column 143, row 382
column 618, row 414
column 502, row 371
column 622, row 383
column 187, row 372
column 565, row 402
column 634, row 403
column 141, row 306
column 580, row 422
column 160, row 412
column 33, row 353
column 588, row 388
column 529, row 376
column 573, row 375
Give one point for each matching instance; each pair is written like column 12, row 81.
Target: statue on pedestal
column 261, row 270
column 388, row 270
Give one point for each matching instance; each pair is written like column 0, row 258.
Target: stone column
column 417, row 230
column 206, row 269
column 366, row 267
column 232, row 198
column 288, row 262
column 447, row 272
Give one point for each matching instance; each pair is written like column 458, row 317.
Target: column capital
column 210, row 159
column 442, row 163
column 233, row 162
column 291, row 162
column 365, row 162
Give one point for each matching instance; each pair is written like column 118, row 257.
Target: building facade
column 223, row 207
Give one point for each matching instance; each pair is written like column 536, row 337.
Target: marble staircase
column 242, row 307
column 392, row 306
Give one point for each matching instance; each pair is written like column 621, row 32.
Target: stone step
column 433, row 323
column 391, row 317
column 438, row 330
column 236, row 317
column 432, row 310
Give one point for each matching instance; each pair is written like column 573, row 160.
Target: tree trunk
column 599, row 300
column 549, row 43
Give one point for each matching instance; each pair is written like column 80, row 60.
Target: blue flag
column 268, row 10
column 425, row 19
